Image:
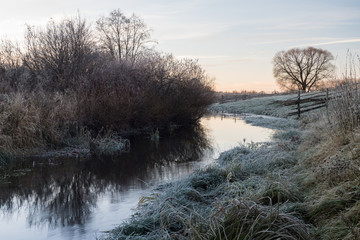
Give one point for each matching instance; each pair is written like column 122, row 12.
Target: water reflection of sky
column 78, row 199
column 229, row 131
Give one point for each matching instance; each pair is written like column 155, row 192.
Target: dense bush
column 66, row 76
column 153, row 93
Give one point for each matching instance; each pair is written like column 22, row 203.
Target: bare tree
column 124, row 38
column 302, row 69
column 11, row 69
column 59, row 53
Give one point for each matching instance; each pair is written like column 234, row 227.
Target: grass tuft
column 242, row 220
column 279, row 192
column 108, row 146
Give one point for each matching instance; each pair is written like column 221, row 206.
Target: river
column 82, row 198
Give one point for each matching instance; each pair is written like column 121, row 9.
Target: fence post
column 298, row 104
column 327, row 98
column 327, row 105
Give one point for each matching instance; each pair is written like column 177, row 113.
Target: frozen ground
column 251, row 179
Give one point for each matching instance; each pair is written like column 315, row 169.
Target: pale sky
column 234, row 40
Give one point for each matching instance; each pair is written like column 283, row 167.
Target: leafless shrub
column 107, row 97
column 151, row 93
column 12, row 72
column 60, row 53
column 84, row 81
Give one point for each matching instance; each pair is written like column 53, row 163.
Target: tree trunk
column 304, row 86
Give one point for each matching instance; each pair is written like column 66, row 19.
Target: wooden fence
column 305, row 102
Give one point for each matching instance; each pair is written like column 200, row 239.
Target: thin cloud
column 292, row 26
column 354, row 40
column 280, row 39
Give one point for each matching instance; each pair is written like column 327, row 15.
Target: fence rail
column 307, row 102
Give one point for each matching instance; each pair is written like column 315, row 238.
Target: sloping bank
column 249, row 193
column 302, row 185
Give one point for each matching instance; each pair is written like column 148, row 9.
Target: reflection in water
column 65, row 192
column 74, row 198
column 227, row 131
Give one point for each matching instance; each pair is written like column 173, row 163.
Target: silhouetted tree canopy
column 124, row 38
column 59, row 53
column 70, row 75
column 302, row 69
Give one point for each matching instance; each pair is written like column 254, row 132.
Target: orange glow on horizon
column 267, row 87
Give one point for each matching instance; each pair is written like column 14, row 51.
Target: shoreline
column 195, row 198
column 81, row 147
column 302, row 185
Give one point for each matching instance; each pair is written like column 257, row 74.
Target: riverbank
column 250, row 185
column 56, row 92
column 328, row 161
column 302, row 185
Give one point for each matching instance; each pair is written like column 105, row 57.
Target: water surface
column 81, row 198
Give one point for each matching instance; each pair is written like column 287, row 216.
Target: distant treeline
column 223, row 97
column 71, row 75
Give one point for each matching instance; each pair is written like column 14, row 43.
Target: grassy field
column 274, row 105
column 263, row 106
column 302, row 185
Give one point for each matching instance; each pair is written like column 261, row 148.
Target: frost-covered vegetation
column 262, row 106
column 275, row 105
column 270, row 121
column 302, row 185
column 71, row 79
column 247, row 194
column 331, row 163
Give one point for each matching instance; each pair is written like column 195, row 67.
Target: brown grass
column 29, row 120
column 332, row 166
